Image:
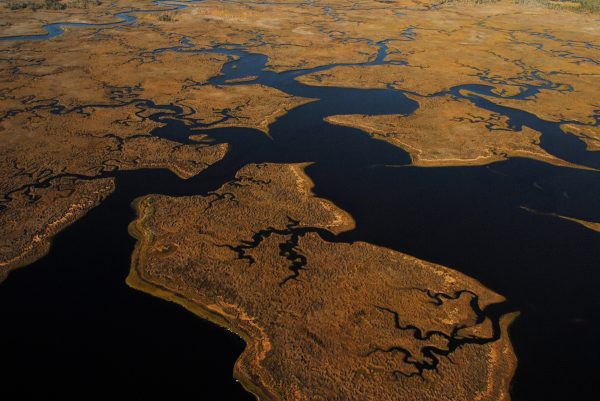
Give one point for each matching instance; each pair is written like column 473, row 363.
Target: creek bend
column 92, row 332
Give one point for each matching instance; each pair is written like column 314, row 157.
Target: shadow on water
column 76, row 331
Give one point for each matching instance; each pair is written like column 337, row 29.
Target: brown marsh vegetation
column 322, row 320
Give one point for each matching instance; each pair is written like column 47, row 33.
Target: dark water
column 125, row 18
column 72, row 330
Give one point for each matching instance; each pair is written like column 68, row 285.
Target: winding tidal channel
column 75, row 331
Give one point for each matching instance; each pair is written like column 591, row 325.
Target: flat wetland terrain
column 378, row 200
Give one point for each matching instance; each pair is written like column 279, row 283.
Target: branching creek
column 73, row 330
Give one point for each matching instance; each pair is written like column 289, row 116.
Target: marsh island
column 372, row 195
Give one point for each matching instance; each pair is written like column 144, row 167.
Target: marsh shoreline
column 429, row 218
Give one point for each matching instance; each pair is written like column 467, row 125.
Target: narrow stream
column 76, row 331
column 123, row 18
